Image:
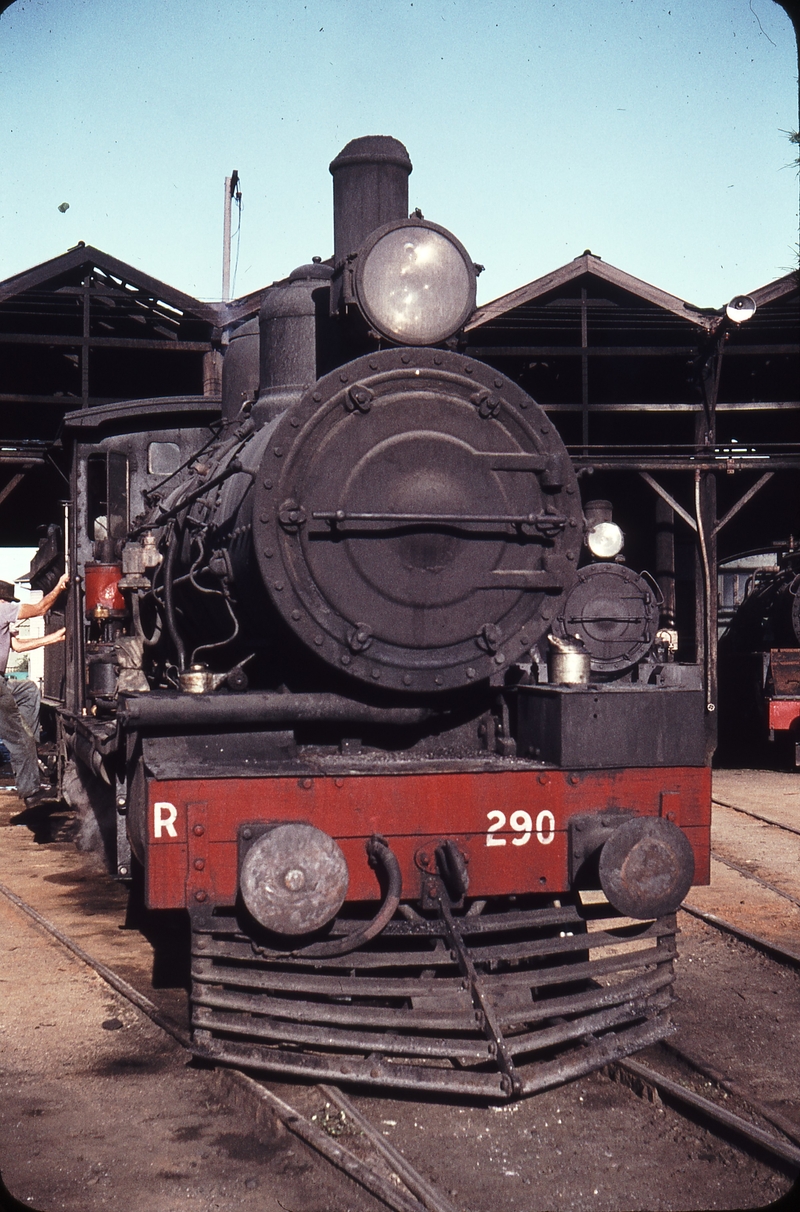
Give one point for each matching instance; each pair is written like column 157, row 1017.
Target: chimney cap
column 373, row 149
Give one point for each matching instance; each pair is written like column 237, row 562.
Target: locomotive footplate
column 500, row 1000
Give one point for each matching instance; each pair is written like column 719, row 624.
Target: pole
column 226, row 241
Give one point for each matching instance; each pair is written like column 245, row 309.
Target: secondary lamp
column 605, row 540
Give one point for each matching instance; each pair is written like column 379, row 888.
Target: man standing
column 19, row 700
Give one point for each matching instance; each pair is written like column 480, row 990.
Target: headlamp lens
column 416, row 286
column 605, row 540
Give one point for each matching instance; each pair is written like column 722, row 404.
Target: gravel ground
column 82, row 1094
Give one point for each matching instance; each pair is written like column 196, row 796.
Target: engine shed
column 674, row 410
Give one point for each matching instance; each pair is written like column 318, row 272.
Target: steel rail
column 783, row 1151
column 782, row 954
column 751, row 875
column 417, row 1185
column 757, row 816
column 787, row 1126
column 429, row 1199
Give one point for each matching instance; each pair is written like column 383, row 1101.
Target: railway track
column 404, row 1190
column 386, row 1173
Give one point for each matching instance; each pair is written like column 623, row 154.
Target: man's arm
column 37, row 641
column 34, row 610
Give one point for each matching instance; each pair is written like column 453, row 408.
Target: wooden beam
column 576, row 351
column 665, row 496
column 35, row 338
column 11, row 485
column 747, row 496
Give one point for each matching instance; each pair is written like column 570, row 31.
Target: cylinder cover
column 294, row 879
column 417, row 520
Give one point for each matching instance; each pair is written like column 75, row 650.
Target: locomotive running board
column 496, row 1004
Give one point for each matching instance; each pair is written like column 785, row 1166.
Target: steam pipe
column 260, row 707
column 169, row 602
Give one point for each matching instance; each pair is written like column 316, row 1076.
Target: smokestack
column 370, row 188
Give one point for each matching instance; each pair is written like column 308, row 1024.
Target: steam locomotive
column 759, row 657
column 344, row 682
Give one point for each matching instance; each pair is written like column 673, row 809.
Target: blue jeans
column 19, row 722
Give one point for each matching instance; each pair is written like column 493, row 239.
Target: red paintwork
column 414, row 812
column 102, row 587
column 783, row 713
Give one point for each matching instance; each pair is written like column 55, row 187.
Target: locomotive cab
column 308, row 684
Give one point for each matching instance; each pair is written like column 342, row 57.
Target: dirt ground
column 99, row 1110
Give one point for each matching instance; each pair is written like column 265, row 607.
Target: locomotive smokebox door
column 417, row 520
column 293, row 878
column 615, row 614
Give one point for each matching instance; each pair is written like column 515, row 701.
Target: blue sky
column 648, row 131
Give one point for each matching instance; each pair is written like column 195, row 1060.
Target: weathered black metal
column 588, row 833
column 293, row 878
column 614, row 612
column 261, row 707
column 415, row 520
column 646, row 867
column 370, row 188
column 288, row 335
column 621, row 724
column 406, row 1015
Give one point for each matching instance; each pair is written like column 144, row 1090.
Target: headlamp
column 605, row 540
column 414, row 282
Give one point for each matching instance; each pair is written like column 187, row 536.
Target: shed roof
column 589, row 263
column 86, row 255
